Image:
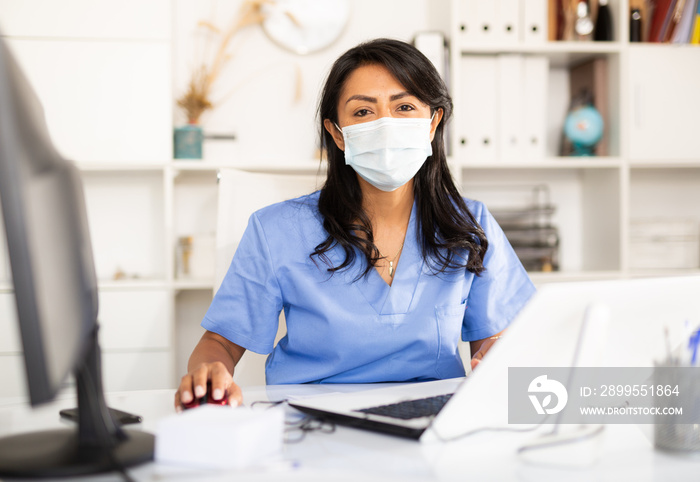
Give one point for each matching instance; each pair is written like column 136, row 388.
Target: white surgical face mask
column 387, row 152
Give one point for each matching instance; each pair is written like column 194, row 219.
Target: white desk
column 359, row 456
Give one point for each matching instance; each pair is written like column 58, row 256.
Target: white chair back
column 241, row 193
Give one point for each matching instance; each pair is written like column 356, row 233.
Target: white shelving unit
column 139, row 205
column 654, row 166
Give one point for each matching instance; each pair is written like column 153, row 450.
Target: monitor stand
column 98, row 444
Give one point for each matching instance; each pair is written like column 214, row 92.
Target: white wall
column 260, row 80
column 102, row 69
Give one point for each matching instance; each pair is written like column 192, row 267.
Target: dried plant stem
column 197, row 98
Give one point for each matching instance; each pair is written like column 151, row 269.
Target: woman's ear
column 435, row 122
column 335, row 132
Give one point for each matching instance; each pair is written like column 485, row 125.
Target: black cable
column 119, row 467
column 107, row 443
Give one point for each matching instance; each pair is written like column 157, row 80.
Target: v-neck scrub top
column 341, row 329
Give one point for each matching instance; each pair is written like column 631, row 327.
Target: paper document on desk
column 220, row 437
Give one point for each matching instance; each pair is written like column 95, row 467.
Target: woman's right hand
column 194, row 385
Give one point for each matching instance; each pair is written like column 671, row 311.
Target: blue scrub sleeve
column 246, row 308
column 502, row 290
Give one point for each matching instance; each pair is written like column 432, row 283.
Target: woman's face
column 372, row 92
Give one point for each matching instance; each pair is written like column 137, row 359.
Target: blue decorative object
column 188, row 142
column 584, row 128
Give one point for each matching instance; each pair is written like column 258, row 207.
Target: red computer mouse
column 207, row 399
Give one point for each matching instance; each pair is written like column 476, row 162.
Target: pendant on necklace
column 391, row 269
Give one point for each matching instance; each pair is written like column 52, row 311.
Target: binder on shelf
column 486, row 21
column 477, row 126
column 501, row 22
column 467, row 22
column 534, row 115
column 508, row 22
column 673, row 17
column 533, row 21
column 510, row 107
column 591, row 79
column 433, row 46
column 684, row 30
column 661, row 11
column 565, row 20
column 553, row 9
column 695, row 39
column 477, row 22
column 504, row 115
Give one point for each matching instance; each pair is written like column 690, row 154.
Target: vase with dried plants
column 197, row 98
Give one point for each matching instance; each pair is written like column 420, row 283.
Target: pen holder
column 679, row 433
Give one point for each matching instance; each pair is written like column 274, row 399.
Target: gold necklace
column 391, row 261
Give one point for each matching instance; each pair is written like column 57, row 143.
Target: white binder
column 533, row 26
column 487, row 20
column 508, row 22
column 510, row 107
column 534, row 118
column 478, row 20
column 476, row 117
column 432, row 45
column 465, row 15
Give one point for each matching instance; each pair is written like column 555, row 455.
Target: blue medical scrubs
column 344, row 330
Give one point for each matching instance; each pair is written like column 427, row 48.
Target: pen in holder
column 678, row 377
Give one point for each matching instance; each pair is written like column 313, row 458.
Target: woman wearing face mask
column 382, row 271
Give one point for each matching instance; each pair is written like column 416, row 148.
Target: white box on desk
column 216, row 437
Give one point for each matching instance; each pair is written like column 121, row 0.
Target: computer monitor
column 55, row 290
column 547, row 332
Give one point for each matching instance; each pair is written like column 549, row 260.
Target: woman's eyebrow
column 400, row 95
column 364, row 98
column 367, row 98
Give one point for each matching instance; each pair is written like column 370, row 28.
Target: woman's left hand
column 482, row 347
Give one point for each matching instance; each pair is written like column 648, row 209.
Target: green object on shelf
column 188, row 141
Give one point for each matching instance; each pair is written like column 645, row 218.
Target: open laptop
column 545, row 334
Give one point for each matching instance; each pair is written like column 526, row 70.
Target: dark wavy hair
column 450, row 237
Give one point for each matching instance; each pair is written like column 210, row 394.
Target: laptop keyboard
column 423, row 407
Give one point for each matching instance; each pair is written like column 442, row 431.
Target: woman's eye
column 406, row 107
column 362, row 113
